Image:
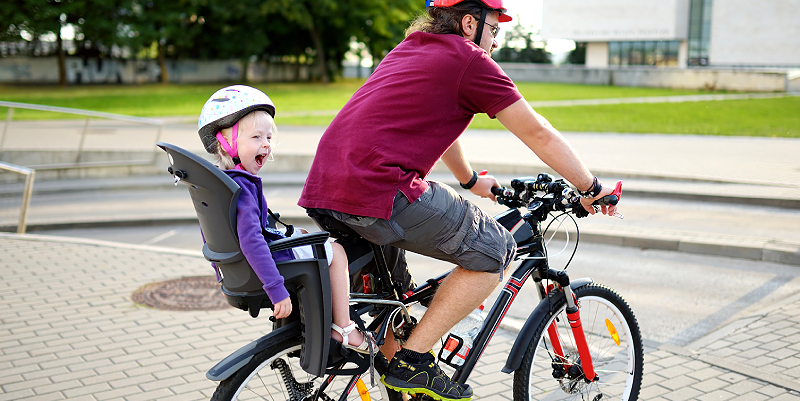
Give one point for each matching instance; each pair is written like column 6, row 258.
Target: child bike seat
column 215, row 197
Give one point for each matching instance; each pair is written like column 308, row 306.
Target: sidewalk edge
column 695, row 243
column 108, row 244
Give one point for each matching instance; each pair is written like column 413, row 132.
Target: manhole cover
column 188, row 293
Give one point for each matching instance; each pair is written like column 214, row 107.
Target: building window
column 654, row 53
column 699, row 32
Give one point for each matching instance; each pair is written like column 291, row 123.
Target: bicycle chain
column 297, row 391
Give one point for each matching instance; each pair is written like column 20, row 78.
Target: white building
column 679, row 33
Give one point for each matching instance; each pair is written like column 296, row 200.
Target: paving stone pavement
column 71, row 331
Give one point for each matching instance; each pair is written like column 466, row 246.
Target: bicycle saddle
column 331, row 225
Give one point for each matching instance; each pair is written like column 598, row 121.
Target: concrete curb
column 292, row 170
column 108, row 244
column 701, row 244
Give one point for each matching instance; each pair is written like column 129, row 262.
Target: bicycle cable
column 555, row 231
column 577, row 235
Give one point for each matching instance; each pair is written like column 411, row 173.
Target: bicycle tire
column 619, row 367
column 261, row 378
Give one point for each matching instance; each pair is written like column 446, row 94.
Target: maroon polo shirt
column 394, row 129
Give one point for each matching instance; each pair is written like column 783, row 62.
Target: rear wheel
column 615, row 344
column 275, row 374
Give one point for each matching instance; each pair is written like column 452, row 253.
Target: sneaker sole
column 399, row 385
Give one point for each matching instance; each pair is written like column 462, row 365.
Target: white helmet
column 225, row 107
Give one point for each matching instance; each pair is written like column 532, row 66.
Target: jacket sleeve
column 254, row 246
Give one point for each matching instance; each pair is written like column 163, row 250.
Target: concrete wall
column 756, row 33
column 44, row 70
column 691, row 78
column 615, row 20
column 743, row 32
column 793, row 81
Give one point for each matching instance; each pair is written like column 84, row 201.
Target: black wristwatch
column 471, row 182
column 593, row 191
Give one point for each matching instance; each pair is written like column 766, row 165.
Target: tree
column 300, row 31
column 330, row 25
column 520, row 47
column 577, row 55
column 36, row 18
column 162, row 26
column 383, row 24
column 95, row 23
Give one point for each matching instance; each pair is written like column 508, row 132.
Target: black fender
column 233, row 362
column 525, row 335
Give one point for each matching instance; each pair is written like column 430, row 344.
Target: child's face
column 255, row 146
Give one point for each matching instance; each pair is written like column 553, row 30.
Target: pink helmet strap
column 231, row 148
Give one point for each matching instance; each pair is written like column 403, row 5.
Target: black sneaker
column 423, row 377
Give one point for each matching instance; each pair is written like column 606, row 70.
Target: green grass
column 753, row 117
column 540, row 91
column 757, row 117
column 167, row 100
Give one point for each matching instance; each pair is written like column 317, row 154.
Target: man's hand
column 283, row 308
column 609, row 210
column 483, row 187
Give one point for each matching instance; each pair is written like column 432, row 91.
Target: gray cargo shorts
column 440, row 224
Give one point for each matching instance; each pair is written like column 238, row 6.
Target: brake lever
column 611, row 199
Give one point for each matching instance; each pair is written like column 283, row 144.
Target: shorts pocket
column 408, row 217
column 489, row 239
column 451, row 243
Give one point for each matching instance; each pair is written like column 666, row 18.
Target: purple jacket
column 251, row 216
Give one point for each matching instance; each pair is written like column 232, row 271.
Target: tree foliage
column 521, row 47
column 299, row 31
column 578, row 55
column 95, row 21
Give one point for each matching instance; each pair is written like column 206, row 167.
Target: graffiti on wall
column 44, row 70
column 104, row 71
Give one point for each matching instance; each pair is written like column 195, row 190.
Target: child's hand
column 283, row 308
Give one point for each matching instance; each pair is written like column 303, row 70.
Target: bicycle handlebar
column 558, row 195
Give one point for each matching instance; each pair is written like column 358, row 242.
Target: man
column 370, row 167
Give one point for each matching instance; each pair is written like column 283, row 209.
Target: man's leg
column 442, row 225
column 450, row 305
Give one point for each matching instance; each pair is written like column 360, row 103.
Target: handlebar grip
column 607, row 200
column 612, row 199
column 497, row 191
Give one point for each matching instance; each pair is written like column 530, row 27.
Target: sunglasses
column 495, row 29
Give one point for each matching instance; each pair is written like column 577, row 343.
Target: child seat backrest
column 215, row 196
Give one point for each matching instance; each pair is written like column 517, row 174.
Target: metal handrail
column 26, row 195
column 88, row 113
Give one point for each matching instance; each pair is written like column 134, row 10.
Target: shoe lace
column 440, row 373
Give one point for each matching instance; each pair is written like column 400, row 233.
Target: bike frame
column 391, row 301
column 534, row 265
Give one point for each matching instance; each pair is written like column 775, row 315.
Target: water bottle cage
column 453, row 347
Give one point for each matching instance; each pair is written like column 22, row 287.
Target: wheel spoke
column 618, row 366
column 276, row 375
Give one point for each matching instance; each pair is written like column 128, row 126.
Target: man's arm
column 544, row 140
column 457, row 163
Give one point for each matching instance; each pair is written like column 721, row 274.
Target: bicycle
column 582, row 340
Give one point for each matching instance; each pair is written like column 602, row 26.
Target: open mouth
column 260, row 160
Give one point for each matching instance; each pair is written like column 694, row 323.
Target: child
column 237, row 125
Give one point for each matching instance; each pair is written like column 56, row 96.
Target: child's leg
column 390, row 347
column 340, row 295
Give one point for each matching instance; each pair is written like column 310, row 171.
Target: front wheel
column 275, row 374
column 615, row 344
